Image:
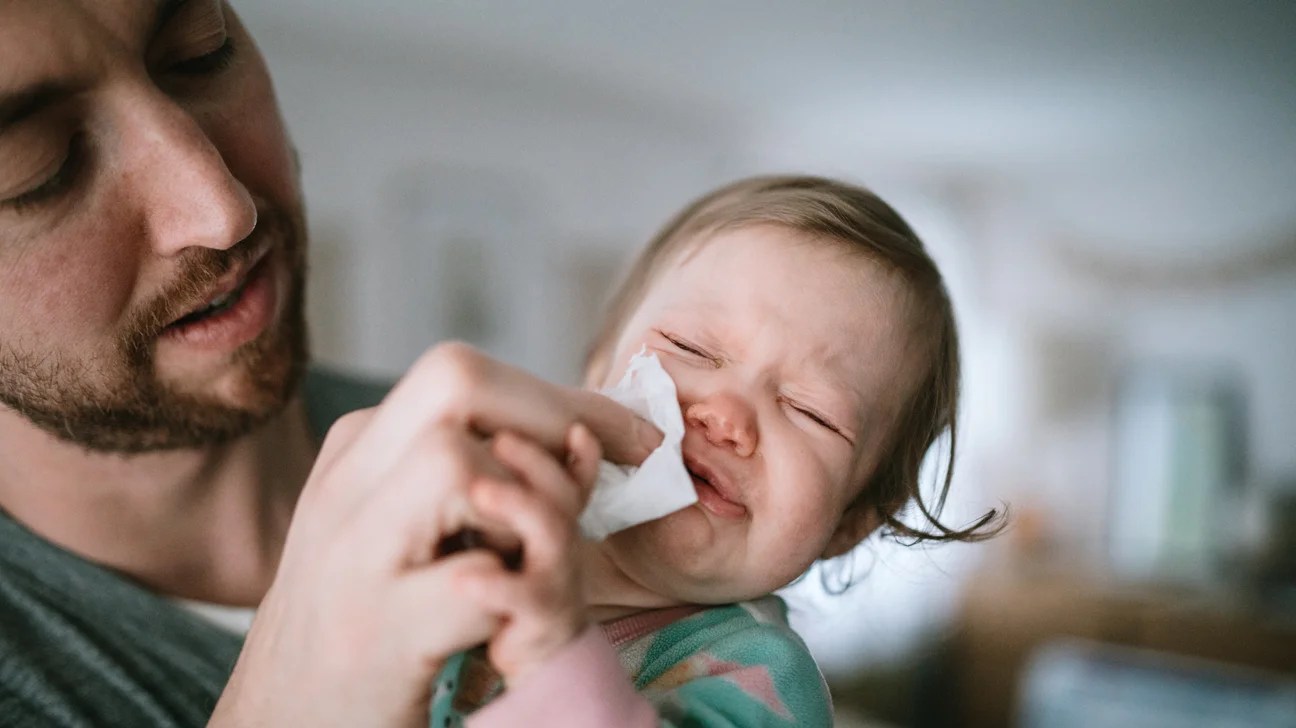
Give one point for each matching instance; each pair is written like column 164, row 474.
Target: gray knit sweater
column 82, row 646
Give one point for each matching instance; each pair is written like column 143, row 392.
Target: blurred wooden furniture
column 1005, row 617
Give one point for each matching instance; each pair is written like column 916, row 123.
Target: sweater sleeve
column 583, row 685
column 759, row 676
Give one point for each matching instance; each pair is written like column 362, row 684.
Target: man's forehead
column 33, row 25
column 35, row 57
column 53, row 45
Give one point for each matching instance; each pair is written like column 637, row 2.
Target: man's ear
column 855, row 526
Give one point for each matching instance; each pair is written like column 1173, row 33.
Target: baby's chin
column 680, row 559
column 712, row 592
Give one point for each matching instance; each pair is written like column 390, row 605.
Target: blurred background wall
column 1109, row 186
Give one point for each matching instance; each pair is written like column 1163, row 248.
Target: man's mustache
column 198, row 271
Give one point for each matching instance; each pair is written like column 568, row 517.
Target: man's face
column 144, row 174
column 791, row 359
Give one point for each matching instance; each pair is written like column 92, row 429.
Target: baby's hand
column 540, row 604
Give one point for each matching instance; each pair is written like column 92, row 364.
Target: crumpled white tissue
column 627, row 496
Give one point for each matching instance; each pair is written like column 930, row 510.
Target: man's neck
column 204, row 524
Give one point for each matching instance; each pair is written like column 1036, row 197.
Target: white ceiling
column 1157, row 108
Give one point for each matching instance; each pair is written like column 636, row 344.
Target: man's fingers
column 626, row 437
column 435, row 635
column 516, row 598
column 424, row 498
column 537, row 469
column 341, row 434
column 455, row 384
column 499, row 593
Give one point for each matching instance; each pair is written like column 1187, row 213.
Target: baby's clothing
column 732, row 665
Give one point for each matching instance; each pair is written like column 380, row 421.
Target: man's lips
column 716, row 491
column 227, row 284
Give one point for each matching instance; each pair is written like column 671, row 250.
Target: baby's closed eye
column 817, row 417
column 690, row 348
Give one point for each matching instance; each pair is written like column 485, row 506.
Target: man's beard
column 118, row 403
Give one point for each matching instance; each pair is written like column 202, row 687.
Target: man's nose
column 727, row 420
column 187, row 195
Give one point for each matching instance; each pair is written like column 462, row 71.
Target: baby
column 815, row 356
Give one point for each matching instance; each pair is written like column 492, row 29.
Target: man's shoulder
column 330, row 393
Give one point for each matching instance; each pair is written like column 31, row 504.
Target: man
column 153, row 444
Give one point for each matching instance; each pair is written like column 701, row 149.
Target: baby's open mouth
column 712, row 499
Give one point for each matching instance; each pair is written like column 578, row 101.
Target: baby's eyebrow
column 824, row 374
column 700, row 331
column 830, row 390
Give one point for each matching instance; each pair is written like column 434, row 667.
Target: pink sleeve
column 583, row 685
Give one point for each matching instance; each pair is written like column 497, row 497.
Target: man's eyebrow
column 19, row 105
column 166, row 10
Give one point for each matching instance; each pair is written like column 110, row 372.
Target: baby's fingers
column 534, row 467
column 536, row 621
column 584, row 453
column 548, row 534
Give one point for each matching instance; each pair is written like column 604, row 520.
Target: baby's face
column 792, row 360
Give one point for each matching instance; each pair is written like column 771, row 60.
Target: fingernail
column 570, row 444
column 484, row 495
column 649, row 436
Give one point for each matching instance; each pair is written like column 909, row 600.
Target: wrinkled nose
column 727, row 421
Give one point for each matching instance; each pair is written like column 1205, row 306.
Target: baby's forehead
column 802, row 249
column 845, row 274
column 840, row 301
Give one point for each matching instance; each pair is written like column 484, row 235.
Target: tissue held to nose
column 627, row 496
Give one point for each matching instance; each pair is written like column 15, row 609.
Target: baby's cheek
column 620, row 362
column 820, row 522
column 864, row 464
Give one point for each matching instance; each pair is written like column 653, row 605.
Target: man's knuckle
column 444, row 457
column 351, row 422
column 455, row 366
column 344, row 430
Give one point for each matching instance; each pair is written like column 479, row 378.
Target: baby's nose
column 727, row 421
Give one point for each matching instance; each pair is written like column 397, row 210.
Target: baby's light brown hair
column 858, row 220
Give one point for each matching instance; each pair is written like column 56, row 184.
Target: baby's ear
column 856, row 525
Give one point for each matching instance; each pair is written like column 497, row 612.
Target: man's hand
column 360, row 616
